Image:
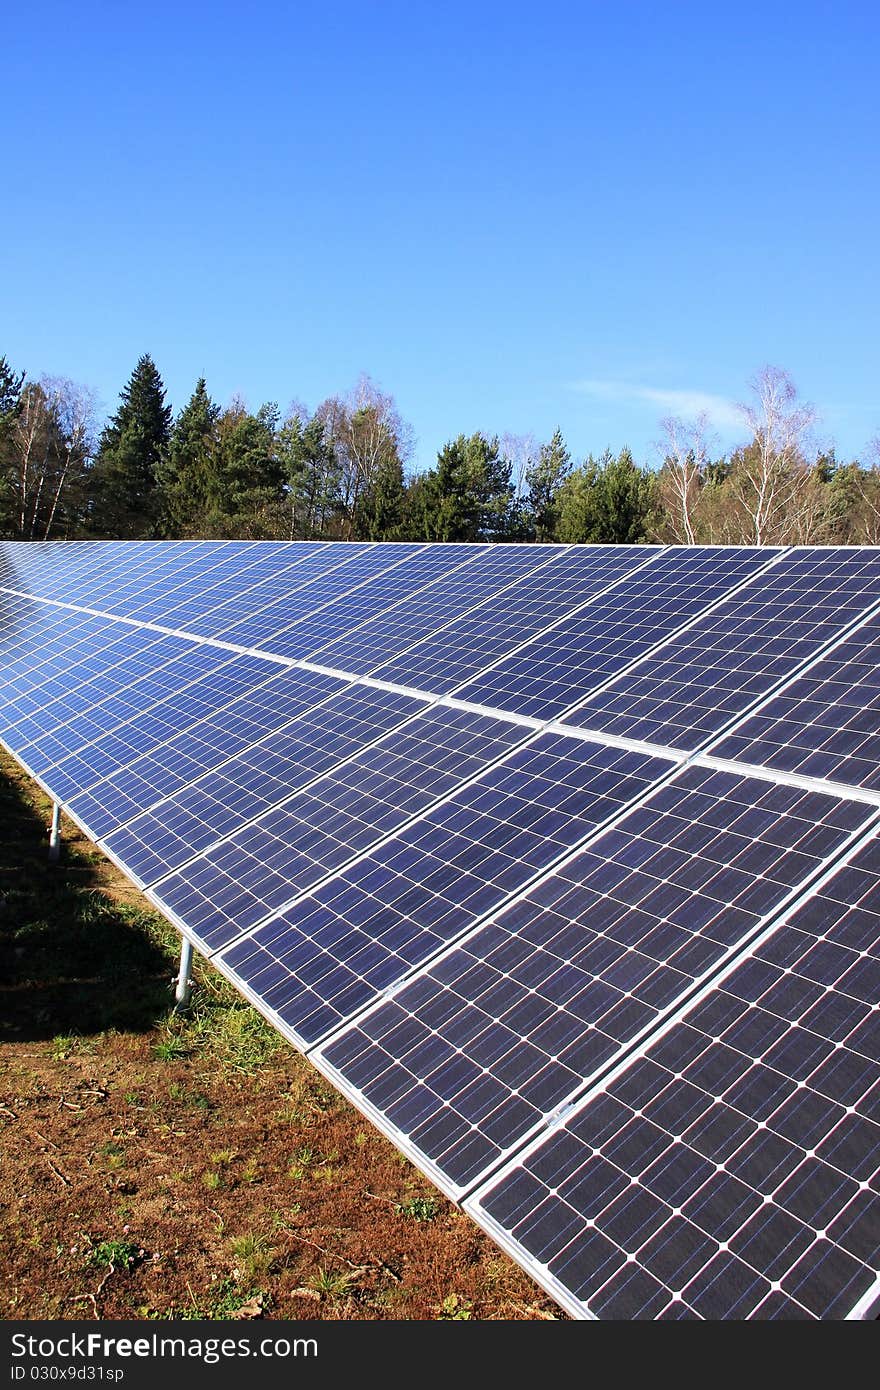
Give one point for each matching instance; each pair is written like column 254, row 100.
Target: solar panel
column 699, row 681
column 257, row 720
column 339, row 770
column 340, row 946
column 824, row 724
column 484, row 1045
column 564, row 665
column 731, row 1170
column 442, row 638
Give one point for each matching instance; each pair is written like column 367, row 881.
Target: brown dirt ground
column 159, row 1167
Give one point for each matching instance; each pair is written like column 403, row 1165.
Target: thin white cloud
column 689, row 404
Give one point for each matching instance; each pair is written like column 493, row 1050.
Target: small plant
column 301, row 1160
column 417, row 1208
column 331, row 1283
column 115, row 1254
column 250, row 1173
column 253, row 1253
column 455, row 1309
column 114, row 1154
column 65, row 1044
column 170, row 1049
column 213, row 1180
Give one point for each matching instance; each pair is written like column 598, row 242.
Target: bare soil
column 159, row 1166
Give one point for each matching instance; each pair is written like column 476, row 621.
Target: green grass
column 417, row 1208
column 115, row 1254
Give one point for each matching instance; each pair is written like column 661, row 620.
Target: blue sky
column 511, row 216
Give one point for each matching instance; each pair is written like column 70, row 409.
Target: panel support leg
column 184, row 978
column 55, row 834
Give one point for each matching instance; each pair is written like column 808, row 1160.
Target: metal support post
column 184, row 978
column 55, row 834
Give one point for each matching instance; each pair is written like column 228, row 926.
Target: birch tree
column 770, row 473
column 48, row 456
column 684, row 449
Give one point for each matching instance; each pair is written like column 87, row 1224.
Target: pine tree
column 544, row 478
column 313, row 475
column 468, row 496
column 185, row 471
column 11, row 384
column 609, row 501
column 246, row 494
column 125, row 497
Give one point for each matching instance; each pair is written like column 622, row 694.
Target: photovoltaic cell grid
column 484, row 1045
column 561, row 667
column 257, row 870
column 364, row 929
column 165, row 747
column 699, row 681
column 827, row 723
column 254, row 721
column 469, row 625
column 733, row 1170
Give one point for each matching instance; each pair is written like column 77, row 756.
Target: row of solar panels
column 537, row 899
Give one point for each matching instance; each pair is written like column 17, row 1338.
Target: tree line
column 343, row 471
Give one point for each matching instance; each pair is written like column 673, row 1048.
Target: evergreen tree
column 544, row 478
column 246, row 482
column 379, row 514
column 11, row 384
column 125, row 498
column 468, row 496
column 313, row 476
column 609, row 501
column 185, row 471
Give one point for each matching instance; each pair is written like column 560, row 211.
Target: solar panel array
column 560, row 861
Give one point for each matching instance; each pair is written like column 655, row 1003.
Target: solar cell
column 563, row 665
column 824, row 724
column 364, row 929
column 235, row 791
column 259, row 618
column 484, row 1045
column 167, row 690
column 286, row 851
column 699, row 681
column 409, row 576
column 445, row 635
column 258, row 718
column 732, row 1169
column 555, row 967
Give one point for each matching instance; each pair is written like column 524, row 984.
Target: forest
column 342, row 471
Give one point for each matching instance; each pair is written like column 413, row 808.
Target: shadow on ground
column 72, row 958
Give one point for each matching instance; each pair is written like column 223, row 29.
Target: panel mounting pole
column 184, row 978
column 55, row 834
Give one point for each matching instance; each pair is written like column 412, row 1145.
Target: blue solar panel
column 234, row 792
column 472, row 641
column 484, row 1045
column 732, row 1169
column 476, row 920
column 366, row 928
column 262, row 623
column 209, row 610
column 288, row 850
column 699, row 681
column 168, row 690
column 256, row 719
column 408, row 575
column 826, row 723
column 72, row 677
column 565, row 664
column 439, row 638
